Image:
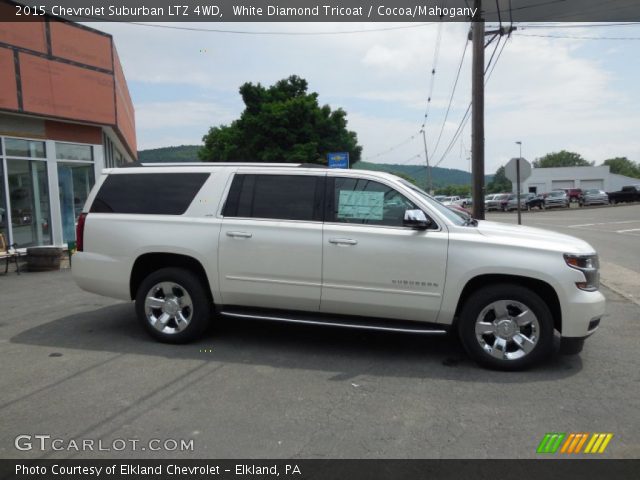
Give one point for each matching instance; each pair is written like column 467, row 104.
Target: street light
column 519, row 143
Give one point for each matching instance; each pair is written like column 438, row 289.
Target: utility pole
column 426, row 154
column 477, row 117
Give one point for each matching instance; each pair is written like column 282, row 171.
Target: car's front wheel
column 173, row 305
column 506, row 327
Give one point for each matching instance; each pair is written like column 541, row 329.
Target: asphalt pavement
column 76, row 366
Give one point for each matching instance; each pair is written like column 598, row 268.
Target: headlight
column 588, row 265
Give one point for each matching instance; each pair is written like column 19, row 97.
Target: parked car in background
column 630, row 193
column 594, row 197
column 574, row 194
column 440, row 198
column 512, row 203
column 496, row 202
column 536, row 201
column 557, row 198
column 450, row 200
column 465, row 202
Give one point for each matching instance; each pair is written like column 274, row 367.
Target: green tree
column 499, row 183
column 623, row 166
column 561, row 159
column 281, row 123
column 454, row 190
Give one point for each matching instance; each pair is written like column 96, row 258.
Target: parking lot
column 77, row 366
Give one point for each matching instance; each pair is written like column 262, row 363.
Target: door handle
column 343, row 241
column 239, row 234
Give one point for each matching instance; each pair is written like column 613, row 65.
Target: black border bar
column 565, row 469
column 505, row 11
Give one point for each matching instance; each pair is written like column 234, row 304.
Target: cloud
column 180, row 114
column 548, row 93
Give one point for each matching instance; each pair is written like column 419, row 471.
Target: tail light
column 80, row 232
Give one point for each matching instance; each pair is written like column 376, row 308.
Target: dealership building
column 65, row 114
column 544, row 180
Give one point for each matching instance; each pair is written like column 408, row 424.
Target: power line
column 466, row 116
column 492, row 55
column 576, row 25
column 495, row 63
column 576, row 37
column 453, row 91
column 391, row 149
column 249, row 32
column 436, row 53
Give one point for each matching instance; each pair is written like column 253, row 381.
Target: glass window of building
column 29, row 200
column 70, row 151
column 75, row 181
column 4, row 214
column 16, row 147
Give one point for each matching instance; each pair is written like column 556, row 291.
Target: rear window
column 148, row 193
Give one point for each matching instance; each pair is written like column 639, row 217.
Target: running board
column 381, row 325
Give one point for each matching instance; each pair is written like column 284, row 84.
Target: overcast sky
column 549, row 93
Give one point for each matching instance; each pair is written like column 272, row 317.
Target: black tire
column 181, row 284
column 482, row 299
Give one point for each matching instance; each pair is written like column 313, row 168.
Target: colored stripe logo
column 573, row 443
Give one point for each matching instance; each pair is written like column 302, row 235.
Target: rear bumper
column 101, row 274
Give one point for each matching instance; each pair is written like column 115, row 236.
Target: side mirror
column 416, row 219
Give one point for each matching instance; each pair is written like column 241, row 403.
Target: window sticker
column 360, row 205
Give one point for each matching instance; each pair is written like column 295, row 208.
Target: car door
column 270, row 244
column 372, row 264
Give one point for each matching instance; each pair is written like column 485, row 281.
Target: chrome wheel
column 507, row 330
column 168, row 307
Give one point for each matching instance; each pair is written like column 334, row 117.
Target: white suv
column 345, row 248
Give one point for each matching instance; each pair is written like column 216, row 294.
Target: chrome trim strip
column 333, row 324
column 380, row 290
column 272, row 280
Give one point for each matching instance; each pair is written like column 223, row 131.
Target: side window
column 148, row 193
column 278, row 197
column 363, row 201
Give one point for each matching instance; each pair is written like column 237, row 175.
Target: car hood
column 533, row 237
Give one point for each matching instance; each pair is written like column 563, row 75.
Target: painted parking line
column 602, row 223
column 631, row 231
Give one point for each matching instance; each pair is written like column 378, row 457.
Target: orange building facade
column 65, row 114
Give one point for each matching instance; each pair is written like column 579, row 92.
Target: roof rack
column 223, row 164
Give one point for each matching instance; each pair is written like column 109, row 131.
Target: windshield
column 433, row 203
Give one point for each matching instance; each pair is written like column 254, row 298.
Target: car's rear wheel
column 173, row 306
column 506, row 327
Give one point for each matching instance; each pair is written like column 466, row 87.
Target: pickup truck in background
column 630, row 193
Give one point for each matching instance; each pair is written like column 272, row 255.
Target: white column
column 55, row 223
column 98, row 160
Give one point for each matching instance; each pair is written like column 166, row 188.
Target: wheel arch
column 150, row 262
column 546, row 292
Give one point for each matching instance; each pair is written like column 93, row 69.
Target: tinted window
column 148, row 193
column 280, row 197
column 363, row 201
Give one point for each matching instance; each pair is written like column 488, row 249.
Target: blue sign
column 338, row 160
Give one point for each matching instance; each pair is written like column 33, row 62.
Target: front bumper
column 581, row 313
